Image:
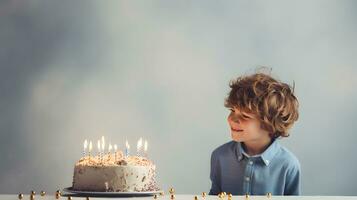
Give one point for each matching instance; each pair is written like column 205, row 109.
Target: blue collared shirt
column 276, row 170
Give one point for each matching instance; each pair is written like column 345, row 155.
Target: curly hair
column 272, row 101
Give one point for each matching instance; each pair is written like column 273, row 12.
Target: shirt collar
column 266, row 156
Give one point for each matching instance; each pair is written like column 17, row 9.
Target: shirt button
column 247, row 178
column 251, row 162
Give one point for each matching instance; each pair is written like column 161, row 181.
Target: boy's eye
column 246, row 116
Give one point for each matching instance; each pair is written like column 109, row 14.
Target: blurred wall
column 75, row 70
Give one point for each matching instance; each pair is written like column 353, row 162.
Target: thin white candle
column 109, row 151
column 103, row 147
column 90, row 148
column 98, row 146
column 139, row 146
column 115, row 152
column 127, row 148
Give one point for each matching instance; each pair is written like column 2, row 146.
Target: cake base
column 75, row 193
column 127, row 174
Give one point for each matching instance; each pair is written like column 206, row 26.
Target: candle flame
column 127, row 144
column 140, row 144
column 85, row 144
column 98, row 145
column 110, row 147
column 115, row 147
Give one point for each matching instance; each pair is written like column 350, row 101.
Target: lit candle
column 115, row 152
column 85, row 148
column 109, row 151
column 139, row 146
column 90, row 148
column 98, row 146
column 127, row 148
column 146, row 148
column 103, row 147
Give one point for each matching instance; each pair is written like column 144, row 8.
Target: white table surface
column 184, row 197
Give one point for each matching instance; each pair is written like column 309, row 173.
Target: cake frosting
column 115, row 174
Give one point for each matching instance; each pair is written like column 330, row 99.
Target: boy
column 262, row 110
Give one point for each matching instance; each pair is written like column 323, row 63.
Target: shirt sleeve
column 293, row 180
column 215, row 188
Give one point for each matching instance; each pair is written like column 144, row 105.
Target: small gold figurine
column 21, row 196
column 220, row 195
column 162, row 193
column 42, row 193
column 247, row 196
column 224, row 194
column 32, row 197
column 230, row 196
column 69, row 198
column 155, row 196
column 269, row 195
column 196, row 197
column 172, row 196
column 87, row 198
column 204, row 194
column 33, row 192
column 58, row 193
column 171, row 191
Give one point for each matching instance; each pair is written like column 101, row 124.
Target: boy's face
column 245, row 127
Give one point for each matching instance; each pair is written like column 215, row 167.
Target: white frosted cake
column 121, row 174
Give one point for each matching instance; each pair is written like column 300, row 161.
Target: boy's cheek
column 229, row 119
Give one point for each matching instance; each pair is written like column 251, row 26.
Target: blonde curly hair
column 272, row 101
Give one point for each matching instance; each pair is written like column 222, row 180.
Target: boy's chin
column 236, row 138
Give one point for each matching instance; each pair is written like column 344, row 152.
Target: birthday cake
column 114, row 173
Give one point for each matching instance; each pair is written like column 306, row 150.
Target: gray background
column 75, row 70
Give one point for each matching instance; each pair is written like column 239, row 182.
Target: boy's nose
column 235, row 119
